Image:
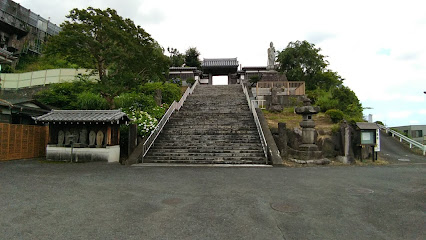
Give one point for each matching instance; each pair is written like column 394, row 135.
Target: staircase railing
column 174, row 106
column 253, row 105
column 405, row 138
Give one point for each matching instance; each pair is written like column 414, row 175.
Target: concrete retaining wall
column 108, row 154
column 41, row 78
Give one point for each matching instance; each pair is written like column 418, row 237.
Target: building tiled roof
column 254, row 68
column 367, row 126
column 220, row 62
column 83, row 116
column 182, row 68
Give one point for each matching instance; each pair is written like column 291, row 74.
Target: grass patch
column 292, row 120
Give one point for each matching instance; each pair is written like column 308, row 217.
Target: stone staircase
column 214, row 126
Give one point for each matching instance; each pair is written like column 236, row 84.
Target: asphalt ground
column 41, row 200
column 394, row 152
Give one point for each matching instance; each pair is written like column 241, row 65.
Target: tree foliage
column 302, row 61
column 177, row 59
column 103, row 40
column 192, row 58
column 91, row 101
column 170, row 92
column 341, row 98
column 65, row 95
column 30, row 63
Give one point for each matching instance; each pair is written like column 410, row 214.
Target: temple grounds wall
column 22, row 141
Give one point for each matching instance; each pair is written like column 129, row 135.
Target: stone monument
column 99, row 139
column 271, row 57
column 92, row 138
column 61, row 138
column 348, row 154
column 83, row 137
column 274, row 104
column 308, row 151
column 67, row 138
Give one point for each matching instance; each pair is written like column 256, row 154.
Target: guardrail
column 261, row 101
column 174, row 106
column 405, row 138
column 253, row 105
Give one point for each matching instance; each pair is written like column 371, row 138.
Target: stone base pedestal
column 308, row 147
column 305, row 155
column 346, row 159
column 275, row 108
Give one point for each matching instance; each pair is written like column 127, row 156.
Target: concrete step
column 204, row 154
column 207, row 150
column 206, row 160
column 214, row 138
column 215, row 126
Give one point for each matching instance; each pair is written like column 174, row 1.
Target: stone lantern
column 308, row 125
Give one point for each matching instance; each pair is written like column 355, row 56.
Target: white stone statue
column 271, row 57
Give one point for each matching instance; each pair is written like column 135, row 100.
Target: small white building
column 416, row 132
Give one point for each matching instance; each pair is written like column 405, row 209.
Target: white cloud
column 399, row 114
column 422, row 111
column 414, row 122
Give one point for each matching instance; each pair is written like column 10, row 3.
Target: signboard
column 377, row 147
column 367, row 137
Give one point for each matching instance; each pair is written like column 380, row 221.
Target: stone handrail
column 174, row 106
column 405, row 138
column 252, row 106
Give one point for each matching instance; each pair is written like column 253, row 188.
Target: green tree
column 177, row 59
column 123, row 54
column 302, row 61
column 192, row 58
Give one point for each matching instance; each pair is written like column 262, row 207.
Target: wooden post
column 108, row 143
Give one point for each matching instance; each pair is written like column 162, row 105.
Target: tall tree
column 302, row 61
column 177, row 59
column 103, row 40
column 192, row 58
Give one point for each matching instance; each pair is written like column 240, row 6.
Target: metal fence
column 401, row 137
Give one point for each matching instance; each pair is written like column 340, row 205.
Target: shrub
column 177, row 81
column 145, row 122
column 336, row 115
column 170, row 92
column 158, row 111
column 135, row 101
column 190, row 81
column 91, row 101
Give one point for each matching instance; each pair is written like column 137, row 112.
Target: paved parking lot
column 108, row 201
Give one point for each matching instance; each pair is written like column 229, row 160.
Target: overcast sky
column 379, row 47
